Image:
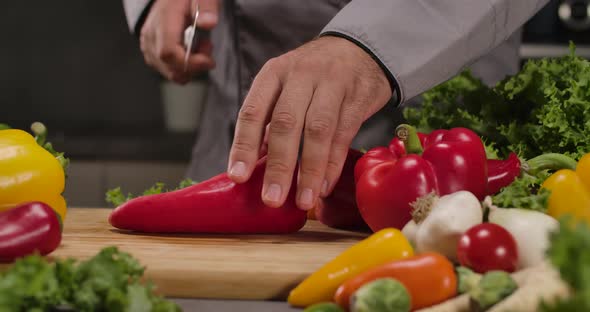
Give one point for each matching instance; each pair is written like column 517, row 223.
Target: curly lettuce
column 109, row 281
column 545, row 108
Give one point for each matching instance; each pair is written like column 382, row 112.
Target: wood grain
column 211, row 266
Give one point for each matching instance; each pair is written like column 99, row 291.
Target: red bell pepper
column 28, row 228
column 444, row 161
column 217, row 205
column 339, row 209
column 502, row 173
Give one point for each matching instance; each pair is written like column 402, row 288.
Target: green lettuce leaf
column 116, row 197
column 544, row 108
column 524, row 193
column 109, row 281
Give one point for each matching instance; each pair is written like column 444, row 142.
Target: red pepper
column 445, row 161
column 339, row 209
column 28, row 228
column 502, row 173
column 217, row 205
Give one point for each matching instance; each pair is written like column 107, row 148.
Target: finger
column 204, row 46
column 169, row 44
column 180, row 77
column 252, row 118
column 160, row 67
column 198, row 63
column 171, row 64
column 320, row 125
column 264, row 145
column 284, row 136
column 208, row 13
column 171, row 54
column 147, row 46
column 349, row 122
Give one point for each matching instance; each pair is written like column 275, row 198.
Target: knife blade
column 189, row 38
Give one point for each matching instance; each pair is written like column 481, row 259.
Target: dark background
column 74, row 65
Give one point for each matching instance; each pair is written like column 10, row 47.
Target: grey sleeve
column 135, row 11
column 421, row 43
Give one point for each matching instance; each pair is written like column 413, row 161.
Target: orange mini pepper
column 430, row 278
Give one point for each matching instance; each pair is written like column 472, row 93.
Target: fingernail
column 238, row 169
column 207, row 18
column 305, row 198
column 324, row 187
column 273, row 193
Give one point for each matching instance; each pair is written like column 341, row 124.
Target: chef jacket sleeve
column 422, row 43
column 135, row 13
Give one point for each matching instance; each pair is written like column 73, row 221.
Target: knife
column 189, row 38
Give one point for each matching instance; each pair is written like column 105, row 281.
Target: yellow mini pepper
column 29, row 172
column 386, row 245
column 570, row 191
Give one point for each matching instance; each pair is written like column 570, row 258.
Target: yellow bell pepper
column 386, row 245
column 28, row 172
column 570, row 191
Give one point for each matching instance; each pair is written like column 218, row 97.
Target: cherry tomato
column 486, row 247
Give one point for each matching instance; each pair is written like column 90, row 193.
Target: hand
column 162, row 36
column 321, row 92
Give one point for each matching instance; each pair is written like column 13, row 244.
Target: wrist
column 390, row 83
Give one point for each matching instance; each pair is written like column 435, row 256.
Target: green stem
column 409, row 136
column 4, row 126
column 551, row 161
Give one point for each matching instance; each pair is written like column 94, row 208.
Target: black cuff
column 142, row 17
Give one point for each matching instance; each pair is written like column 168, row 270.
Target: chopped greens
column 109, row 281
column 116, row 197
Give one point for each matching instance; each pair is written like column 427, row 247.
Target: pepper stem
column 551, row 161
column 422, row 206
column 409, row 136
column 4, row 126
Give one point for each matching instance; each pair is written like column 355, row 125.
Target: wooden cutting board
column 211, row 266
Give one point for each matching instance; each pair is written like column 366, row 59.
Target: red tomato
column 487, row 247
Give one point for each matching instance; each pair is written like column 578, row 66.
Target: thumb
column 208, row 13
